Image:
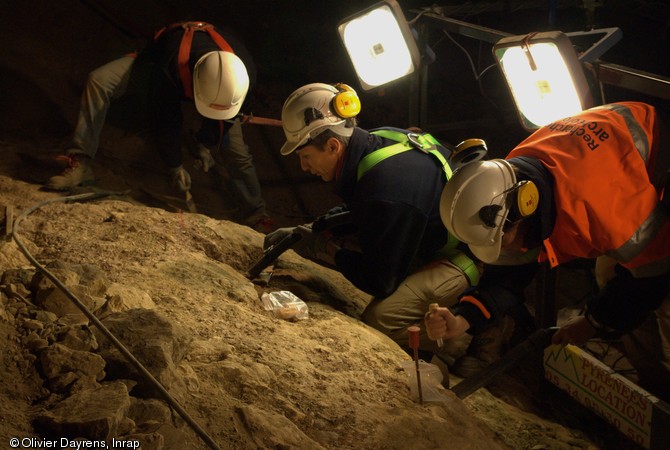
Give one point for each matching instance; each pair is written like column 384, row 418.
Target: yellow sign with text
column 595, row 385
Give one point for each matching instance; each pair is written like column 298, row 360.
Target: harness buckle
column 414, row 140
column 421, row 142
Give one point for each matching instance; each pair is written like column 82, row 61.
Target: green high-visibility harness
column 428, row 145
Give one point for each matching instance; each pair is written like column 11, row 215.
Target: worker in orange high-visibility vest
column 193, row 62
column 587, row 186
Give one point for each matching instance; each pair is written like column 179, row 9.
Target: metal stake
column 414, row 344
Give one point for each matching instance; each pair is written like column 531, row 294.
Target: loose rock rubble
column 172, row 289
column 89, row 385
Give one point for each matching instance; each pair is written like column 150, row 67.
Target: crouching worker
column 588, row 186
column 390, row 181
column 193, row 62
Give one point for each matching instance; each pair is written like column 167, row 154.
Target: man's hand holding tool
column 443, row 324
column 431, row 309
column 309, row 241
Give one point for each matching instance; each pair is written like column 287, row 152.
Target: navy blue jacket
column 395, row 207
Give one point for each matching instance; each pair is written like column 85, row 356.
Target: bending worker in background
column 588, row 186
column 189, row 61
column 394, row 204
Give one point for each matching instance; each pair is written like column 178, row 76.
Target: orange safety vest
column 602, row 161
column 185, row 48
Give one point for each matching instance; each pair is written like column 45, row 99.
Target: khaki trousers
column 439, row 282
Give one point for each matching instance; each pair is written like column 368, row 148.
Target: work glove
column 312, row 245
column 205, row 160
column 181, row 180
column 276, row 236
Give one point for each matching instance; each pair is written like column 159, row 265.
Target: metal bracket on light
column 610, row 37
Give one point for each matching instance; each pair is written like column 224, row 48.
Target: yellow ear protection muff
column 527, row 198
column 468, row 151
column 524, row 199
column 346, row 103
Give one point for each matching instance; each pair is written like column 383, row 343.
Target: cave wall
column 48, row 48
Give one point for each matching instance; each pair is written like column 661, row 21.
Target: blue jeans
column 238, row 162
column 104, row 84
column 113, row 80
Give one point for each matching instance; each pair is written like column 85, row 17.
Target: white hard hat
column 220, row 84
column 475, row 204
column 307, row 112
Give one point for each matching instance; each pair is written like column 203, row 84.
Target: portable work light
column 544, row 75
column 380, row 44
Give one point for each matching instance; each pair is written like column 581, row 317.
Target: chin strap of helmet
column 185, row 75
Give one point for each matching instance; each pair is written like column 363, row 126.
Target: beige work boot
column 485, row 348
column 79, row 172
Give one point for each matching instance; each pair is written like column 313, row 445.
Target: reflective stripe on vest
column 184, row 54
column 642, row 236
column 649, row 229
column 636, row 132
column 605, row 201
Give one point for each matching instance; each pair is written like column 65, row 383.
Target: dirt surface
column 248, row 378
column 253, row 380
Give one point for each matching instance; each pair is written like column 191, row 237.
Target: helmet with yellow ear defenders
column 346, row 103
column 314, row 108
column 477, row 200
